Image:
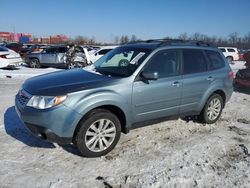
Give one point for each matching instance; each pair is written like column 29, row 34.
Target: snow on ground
column 169, row 154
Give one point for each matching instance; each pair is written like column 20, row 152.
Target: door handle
column 176, row 84
column 210, row 78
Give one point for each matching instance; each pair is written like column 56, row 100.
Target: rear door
column 60, row 54
column 49, row 56
column 158, row 98
column 196, row 79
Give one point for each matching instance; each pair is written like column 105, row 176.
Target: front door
column 158, row 98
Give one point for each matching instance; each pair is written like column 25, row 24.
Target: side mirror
column 44, row 51
column 150, row 75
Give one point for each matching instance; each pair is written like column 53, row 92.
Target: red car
column 242, row 78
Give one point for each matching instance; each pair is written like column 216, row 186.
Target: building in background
column 27, row 38
column 14, row 37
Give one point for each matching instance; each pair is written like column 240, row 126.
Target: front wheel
column 99, row 133
column 212, row 109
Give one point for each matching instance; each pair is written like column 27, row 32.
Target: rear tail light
column 4, row 56
column 231, row 75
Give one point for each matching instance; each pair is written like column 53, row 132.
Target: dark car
column 14, row 46
column 242, row 78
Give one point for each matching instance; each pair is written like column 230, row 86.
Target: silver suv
column 129, row 86
column 52, row 56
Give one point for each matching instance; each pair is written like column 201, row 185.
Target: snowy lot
column 169, row 154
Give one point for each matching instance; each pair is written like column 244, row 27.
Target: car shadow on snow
column 15, row 128
column 239, row 89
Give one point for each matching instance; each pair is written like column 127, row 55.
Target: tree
column 133, row 38
column 183, row 36
column 233, row 38
column 124, row 39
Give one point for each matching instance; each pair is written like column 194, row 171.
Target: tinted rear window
column 231, row 50
column 215, row 60
column 3, row 49
column 222, row 49
column 193, row 61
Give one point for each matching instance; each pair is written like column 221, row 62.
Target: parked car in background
column 131, row 85
column 247, row 58
column 52, row 56
column 242, row 78
column 241, row 54
column 230, row 53
column 28, row 48
column 9, row 58
column 100, row 52
column 14, row 46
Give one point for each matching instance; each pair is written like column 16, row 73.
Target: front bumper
column 56, row 124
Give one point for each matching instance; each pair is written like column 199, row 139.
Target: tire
column 91, row 140
column 71, row 66
column 212, row 109
column 230, row 59
column 34, row 63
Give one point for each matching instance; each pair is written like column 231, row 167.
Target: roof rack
column 164, row 42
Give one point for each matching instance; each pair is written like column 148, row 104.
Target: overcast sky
column 105, row 19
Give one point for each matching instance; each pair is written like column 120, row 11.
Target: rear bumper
column 242, row 83
column 11, row 62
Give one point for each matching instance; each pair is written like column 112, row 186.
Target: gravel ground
column 170, row 154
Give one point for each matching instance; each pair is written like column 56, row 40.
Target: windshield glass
column 121, row 61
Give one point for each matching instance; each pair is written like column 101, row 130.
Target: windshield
column 121, row 61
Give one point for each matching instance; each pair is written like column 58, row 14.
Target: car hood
column 63, row 82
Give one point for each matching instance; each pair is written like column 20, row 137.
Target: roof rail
column 164, row 42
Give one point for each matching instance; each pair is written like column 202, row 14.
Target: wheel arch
column 113, row 109
column 205, row 98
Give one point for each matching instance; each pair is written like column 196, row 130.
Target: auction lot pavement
column 169, row 154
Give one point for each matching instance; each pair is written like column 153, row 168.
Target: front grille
column 23, row 97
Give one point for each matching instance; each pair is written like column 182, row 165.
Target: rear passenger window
column 193, row 61
column 231, row 50
column 215, row 60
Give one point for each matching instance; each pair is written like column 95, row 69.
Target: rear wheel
column 99, row 133
column 34, row 63
column 212, row 109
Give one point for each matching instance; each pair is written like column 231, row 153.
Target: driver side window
column 164, row 62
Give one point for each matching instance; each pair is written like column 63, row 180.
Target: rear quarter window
column 215, row 60
column 231, row 50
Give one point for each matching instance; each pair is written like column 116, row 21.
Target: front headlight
column 43, row 102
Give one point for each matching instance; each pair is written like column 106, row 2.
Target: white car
column 9, row 57
column 99, row 53
column 230, row 53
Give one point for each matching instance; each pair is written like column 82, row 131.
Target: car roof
column 157, row 43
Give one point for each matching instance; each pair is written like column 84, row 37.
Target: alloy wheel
column 214, row 108
column 100, row 135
